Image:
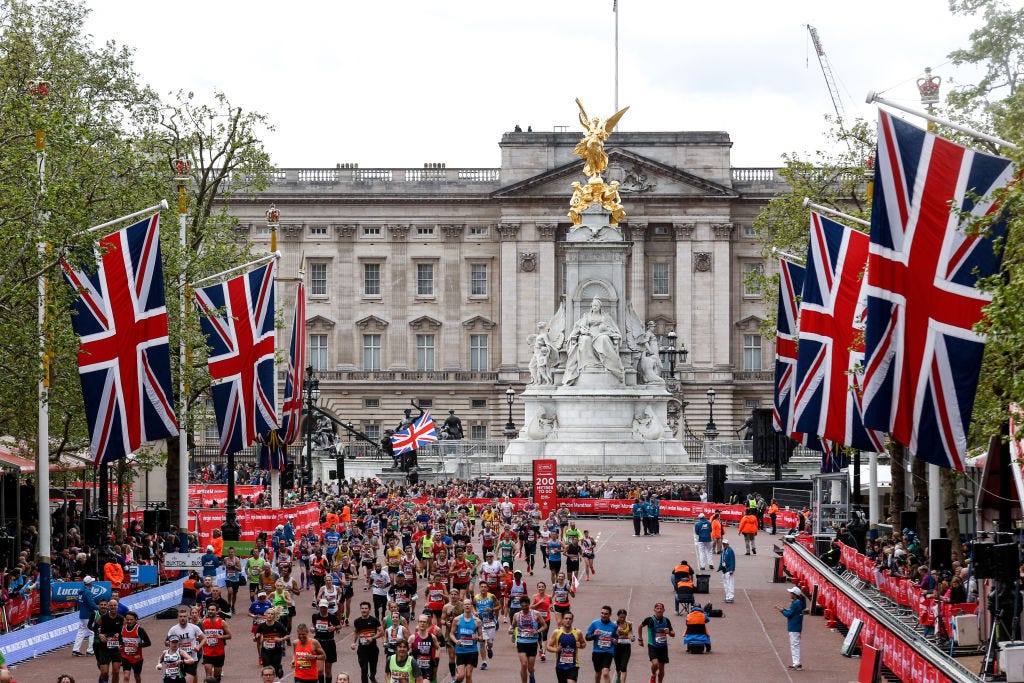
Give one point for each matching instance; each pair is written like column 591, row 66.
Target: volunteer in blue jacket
column 637, row 510
column 794, row 624
column 655, row 516
column 647, row 509
column 87, row 607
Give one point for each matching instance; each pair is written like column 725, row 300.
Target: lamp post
column 669, row 353
column 312, row 396
column 273, row 218
column 711, row 431
column 510, row 426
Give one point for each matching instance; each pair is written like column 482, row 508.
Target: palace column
column 638, row 269
column 547, row 283
column 508, row 370
column 451, row 304
column 721, row 322
column 398, row 343
column 684, row 285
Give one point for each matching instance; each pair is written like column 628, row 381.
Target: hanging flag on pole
column 238, row 322
column 923, row 357
column 419, row 433
column 124, row 363
column 827, row 398
column 273, row 452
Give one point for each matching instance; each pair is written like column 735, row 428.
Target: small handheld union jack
column 419, row 433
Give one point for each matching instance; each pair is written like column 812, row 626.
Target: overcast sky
column 398, row 83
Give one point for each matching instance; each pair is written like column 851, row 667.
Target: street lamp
column 670, row 352
column 312, row 396
column 273, row 219
column 711, row 431
column 510, row 426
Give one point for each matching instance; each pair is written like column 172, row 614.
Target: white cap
column 87, row 580
column 701, row 516
column 323, row 603
column 796, row 591
column 209, row 548
column 725, row 541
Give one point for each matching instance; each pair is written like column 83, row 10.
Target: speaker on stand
column 941, row 554
column 716, row 483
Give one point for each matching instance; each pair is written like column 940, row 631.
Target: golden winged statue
column 591, row 147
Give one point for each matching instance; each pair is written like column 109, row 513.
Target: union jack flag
column 273, row 450
column 791, row 282
column 923, row 356
column 827, row 397
column 124, row 362
column 238, row 321
column 419, row 433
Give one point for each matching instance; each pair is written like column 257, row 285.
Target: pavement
column 750, row 640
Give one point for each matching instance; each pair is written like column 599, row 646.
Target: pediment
column 478, row 322
column 638, row 176
column 372, row 322
column 318, row 321
column 751, row 322
column 425, row 322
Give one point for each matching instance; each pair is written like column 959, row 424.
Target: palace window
column 478, row 360
column 424, row 279
column 318, row 278
column 318, row 351
column 752, row 352
column 425, row 352
column 478, row 279
column 371, row 352
column 371, row 279
column 661, row 279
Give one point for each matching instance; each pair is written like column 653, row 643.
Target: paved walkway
column 750, row 641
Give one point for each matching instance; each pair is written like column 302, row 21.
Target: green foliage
column 109, row 146
column 837, row 180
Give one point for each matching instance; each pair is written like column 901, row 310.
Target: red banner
column 201, row 495
column 545, row 485
column 254, row 521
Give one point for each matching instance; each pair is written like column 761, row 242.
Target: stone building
column 424, row 283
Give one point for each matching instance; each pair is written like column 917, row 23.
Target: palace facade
column 425, row 283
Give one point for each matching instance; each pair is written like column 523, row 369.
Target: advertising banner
column 67, row 591
column 255, row 520
column 545, row 485
column 142, row 574
column 187, row 561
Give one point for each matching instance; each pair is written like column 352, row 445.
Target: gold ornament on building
column 591, row 150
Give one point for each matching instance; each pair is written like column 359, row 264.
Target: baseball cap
column 323, row 603
column 173, row 637
column 263, row 593
column 209, row 548
column 701, row 516
column 87, row 580
column 518, row 572
column 796, row 591
column 725, row 541
column 504, row 564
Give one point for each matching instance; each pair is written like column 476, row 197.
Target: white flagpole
column 275, row 255
column 149, row 209
column 824, row 209
column 182, row 169
column 873, row 97
column 615, row 10
column 41, row 89
column 799, row 260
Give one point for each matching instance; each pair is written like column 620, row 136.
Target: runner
column 486, row 609
column 461, row 573
column 107, row 627
column 325, row 625
column 133, row 639
column 400, row 665
column 659, row 630
column 449, row 615
column 270, row 637
column 542, row 604
column 306, row 656
column 467, row 639
column 216, row 631
column 404, row 596
column 233, row 576
column 367, row 631
column 516, row 592
column 565, row 643
column 173, row 661
column 561, row 592
column 253, row 569
column 258, row 611
column 530, row 546
column 525, row 630
column 624, row 638
column 425, row 649
column 507, row 547
column 436, row 596
column 603, row 633
column 589, row 546
column 395, row 631
column 554, row 553
column 380, row 581
column 190, row 643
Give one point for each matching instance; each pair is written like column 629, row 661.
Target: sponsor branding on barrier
column 183, row 561
column 69, row 591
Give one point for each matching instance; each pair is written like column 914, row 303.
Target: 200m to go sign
column 545, row 485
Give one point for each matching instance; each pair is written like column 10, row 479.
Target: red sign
column 545, row 485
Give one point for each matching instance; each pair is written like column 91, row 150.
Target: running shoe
column 483, row 667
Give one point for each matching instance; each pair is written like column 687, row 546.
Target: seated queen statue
column 593, row 343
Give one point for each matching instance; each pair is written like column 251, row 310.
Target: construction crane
column 826, row 70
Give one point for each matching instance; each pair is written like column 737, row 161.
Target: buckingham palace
column 424, row 283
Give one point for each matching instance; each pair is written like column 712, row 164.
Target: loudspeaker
column 94, row 531
column 156, row 521
column 908, row 520
column 716, row 483
column 941, row 554
column 768, row 445
column 995, row 560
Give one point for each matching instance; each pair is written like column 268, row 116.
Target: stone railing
column 756, row 175
column 350, row 175
column 405, row 376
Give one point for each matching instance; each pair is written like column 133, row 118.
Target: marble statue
column 649, row 365
column 544, row 359
column 646, row 425
column 542, row 426
column 593, row 343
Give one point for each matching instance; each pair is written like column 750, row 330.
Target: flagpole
column 873, row 97
column 250, row 264
column 40, row 89
column 162, row 206
column 615, row 10
column 799, row 260
column 273, row 219
column 824, row 209
column 181, row 169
